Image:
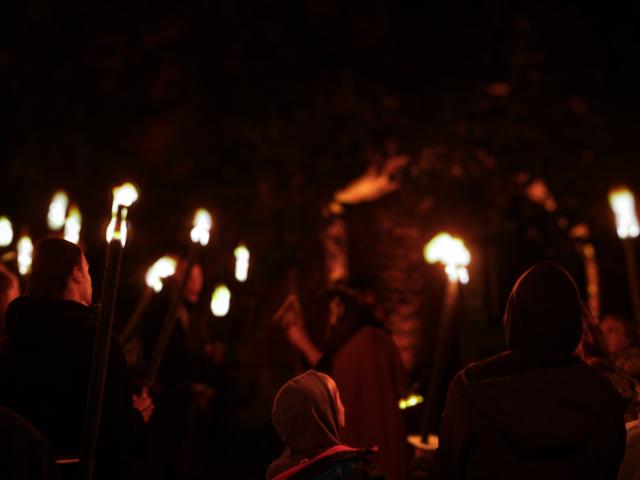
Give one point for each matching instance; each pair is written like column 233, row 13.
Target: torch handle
column 632, row 274
column 169, row 321
column 100, row 359
column 442, row 347
column 134, row 320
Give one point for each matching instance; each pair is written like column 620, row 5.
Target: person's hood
column 543, row 316
column 540, row 408
column 305, row 413
column 34, row 322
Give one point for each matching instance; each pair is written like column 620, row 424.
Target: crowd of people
column 562, row 400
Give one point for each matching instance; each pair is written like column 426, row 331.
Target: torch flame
column 163, row 268
column 57, row 210
column 410, row 401
column 624, row 208
column 123, row 196
column 220, row 301
column 202, row 224
column 242, row 262
column 25, row 254
column 452, row 253
column 73, row 225
column 6, row 232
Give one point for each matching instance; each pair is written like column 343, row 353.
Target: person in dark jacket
column 307, row 412
column 45, row 372
column 24, row 453
column 534, row 411
column 179, row 445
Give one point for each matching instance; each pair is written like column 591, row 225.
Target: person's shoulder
column 497, row 366
column 352, row 464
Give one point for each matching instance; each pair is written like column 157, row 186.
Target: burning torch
column 623, row 205
column 452, row 253
column 200, row 235
column 123, row 198
column 220, row 301
column 6, row 237
column 242, row 262
column 6, row 232
column 24, row 249
column 73, row 225
column 57, row 211
column 162, row 269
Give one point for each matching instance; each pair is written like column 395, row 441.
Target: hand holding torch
column 162, row 269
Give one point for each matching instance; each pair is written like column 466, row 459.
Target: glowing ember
column 624, row 207
column 410, row 401
column 6, row 232
column 452, row 253
column 163, row 268
column 57, row 210
column 25, row 254
column 242, row 262
column 202, row 224
column 124, row 196
column 220, row 301
column 73, row 225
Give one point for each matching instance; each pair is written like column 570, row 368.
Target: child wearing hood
column 307, row 413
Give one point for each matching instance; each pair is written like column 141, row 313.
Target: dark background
column 261, row 110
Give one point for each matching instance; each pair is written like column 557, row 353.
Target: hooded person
column 307, row 414
column 366, row 365
column 535, row 410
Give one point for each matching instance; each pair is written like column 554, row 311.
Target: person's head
column 543, row 318
column 9, row 291
column 618, row 333
column 59, row 271
column 307, row 413
column 193, row 287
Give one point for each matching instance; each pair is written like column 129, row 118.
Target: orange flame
column 25, row 254
column 57, row 210
column 624, row 207
column 123, row 196
column 73, row 225
column 202, row 224
column 6, row 232
column 452, row 253
column 163, row 268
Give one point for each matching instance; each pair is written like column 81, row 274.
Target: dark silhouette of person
column 44, row 373
column 536, row 410
column 366, row 365
column 307, row 414
column 24, row 453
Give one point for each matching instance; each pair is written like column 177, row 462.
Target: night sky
column 260, row 111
